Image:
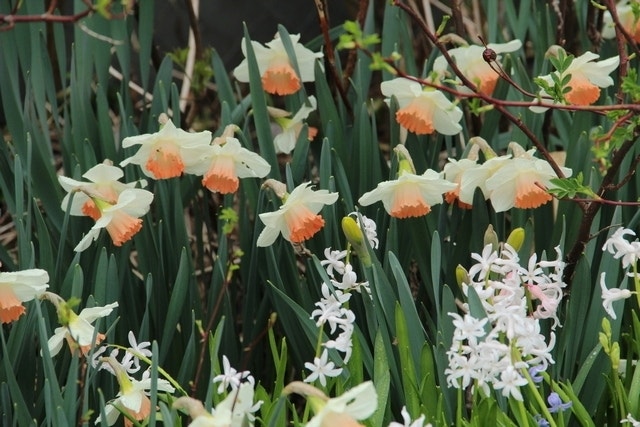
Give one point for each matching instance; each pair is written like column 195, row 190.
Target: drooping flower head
column 354, row 405
column 470, row 61
column 133, row 397
column 521, row 181
column 287, row 129
column 629, row 20
column 587, row 77
column 278, row 75
column 297, row 219
column 76, row 329
column 18, row 287
column 421, row 110
column 113, row 205
column 166, row 153
column 225, row 161
column 409, row 195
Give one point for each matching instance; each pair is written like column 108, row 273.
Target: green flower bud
column 490, row 237
column 355, row 237
column 462, row 275
column 516, row 238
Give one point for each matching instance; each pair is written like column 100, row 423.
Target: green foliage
column 194, row 285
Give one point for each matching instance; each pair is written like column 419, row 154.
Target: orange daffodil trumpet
column 225, row 161
column 288, row 129
column 471, row 62
column 629, row 21
column 409, row 195
column 115, row 206
column 19, row 287
column 278, row 75
column 587, row 77
column 422, row 110
column 168, row 152
column 297, row 219
column 522, row 181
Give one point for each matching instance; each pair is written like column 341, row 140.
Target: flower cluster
column 495, row 347
column 512, row 180
column 628, row 254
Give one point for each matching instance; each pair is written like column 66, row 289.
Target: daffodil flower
column 422, row 110
column 521, row 181
column 471, row 62
column 627, row 19
column 18, row 287
column 297, row 219
column 224, row 162
column 288, row 129
column 133, row 396
column 276, row 70
column 410, row 195
column 166, row 153
column 236, row 410
column 121, row 220
column 587, row 77
column 77, row 328
column 354, row 405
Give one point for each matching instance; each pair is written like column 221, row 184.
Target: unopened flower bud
column 516, row 238
column 462, row 275
column 277, row 187
column 491, row 237
column 484, row 146
column 354, row 235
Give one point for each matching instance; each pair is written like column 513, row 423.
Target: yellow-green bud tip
column 516, row 238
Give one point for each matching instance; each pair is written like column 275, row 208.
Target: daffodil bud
column 614, row 356
column 355, row 237
column 462, row 275
column 277, row 187
column 516, row 238
column 517, row 150
column 484, row 146
column 490, row 237
column 405, row 163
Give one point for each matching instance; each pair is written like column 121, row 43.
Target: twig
column 331, row 62
column 193, row 7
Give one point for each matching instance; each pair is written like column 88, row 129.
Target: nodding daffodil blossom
column 454, row 171
column 609, row 296
column 629, row 21
column 422, row 110
column 471, row 61
column 278, row 75
column 18, row 287
column 354, row 405
column 521, row 181
column 288, row 129
column 166, row 153
column 225, row 161
column 236, row 410
column 121, row 220
column 587, row 77
column 133, row 397
column 297, row 219
column 103, row 183
column 409, row 195
column 76, row 328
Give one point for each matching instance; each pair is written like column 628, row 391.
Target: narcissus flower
column 133, row 397
column 627, row 18
column 225, row 161
column 422, row 110
column 18, row 287
column 288, row 129
column 409, row 195
column 236, row 410
column 470, row 61
column 521, row 182
column 77, row 328
column 112, row 204
column 354, row 405
column 166, row 153
column 297, row 219
column 278, row 75
column 454, row 171
column 587, row 77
